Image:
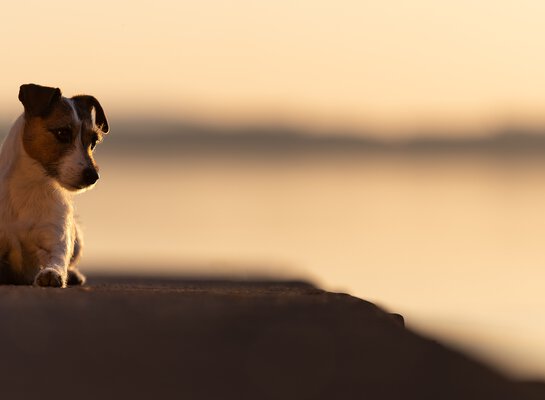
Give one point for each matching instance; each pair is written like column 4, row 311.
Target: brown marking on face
column 90, row 134
column 85, row 104
column 89, row 139
column 39, row 138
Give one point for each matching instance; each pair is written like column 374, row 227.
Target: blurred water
column 454, row 243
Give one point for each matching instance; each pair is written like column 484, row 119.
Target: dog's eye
column 63, row 135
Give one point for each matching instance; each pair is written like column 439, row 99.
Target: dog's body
column 46, row 157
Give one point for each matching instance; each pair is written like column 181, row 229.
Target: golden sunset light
column 389, row 67
column 272, row 199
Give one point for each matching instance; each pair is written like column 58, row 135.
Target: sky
column 388, row 67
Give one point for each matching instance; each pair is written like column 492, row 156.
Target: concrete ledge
column 137, row 338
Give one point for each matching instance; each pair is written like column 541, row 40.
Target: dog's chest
column 35, row 224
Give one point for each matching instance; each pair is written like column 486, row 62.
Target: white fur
column 36, row 212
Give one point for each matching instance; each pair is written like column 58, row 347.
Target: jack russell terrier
column 45, row 159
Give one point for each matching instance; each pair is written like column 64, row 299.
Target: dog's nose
column 90, row 176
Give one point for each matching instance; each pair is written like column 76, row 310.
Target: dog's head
column 61, row 133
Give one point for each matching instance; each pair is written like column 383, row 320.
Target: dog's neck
column 23, row 180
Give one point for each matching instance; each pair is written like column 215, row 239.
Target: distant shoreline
column 175, row 137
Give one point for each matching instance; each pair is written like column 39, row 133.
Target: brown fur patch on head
column 85, row 104
column 39, row 139
column 91, row 134
column 89, row 138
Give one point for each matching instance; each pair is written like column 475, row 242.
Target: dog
column 45, row 159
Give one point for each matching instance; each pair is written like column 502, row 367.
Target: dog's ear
column 38, row 100
column 86, row 103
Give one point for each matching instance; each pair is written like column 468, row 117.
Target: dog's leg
column 75, row 277
column 55, row 271
column 6, row 274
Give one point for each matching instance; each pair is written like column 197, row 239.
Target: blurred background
column 392, row 150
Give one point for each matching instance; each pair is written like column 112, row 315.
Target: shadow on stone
column 141, row 338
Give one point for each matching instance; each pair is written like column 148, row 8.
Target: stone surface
column 195, row 339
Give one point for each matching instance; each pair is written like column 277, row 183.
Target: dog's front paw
column 75, row 278
column 49, row 277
